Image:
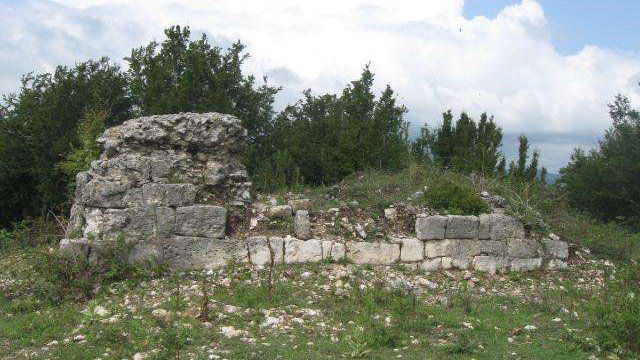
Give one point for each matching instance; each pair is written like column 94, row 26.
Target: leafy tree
column 38, row 129
column 606, row 181
column 467, row 146
column 524, row 169
column 329, row 137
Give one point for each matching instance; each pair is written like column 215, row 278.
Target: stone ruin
column 163, row 184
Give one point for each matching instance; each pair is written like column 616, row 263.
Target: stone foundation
column 163, row 184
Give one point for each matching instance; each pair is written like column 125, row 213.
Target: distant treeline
column 48, row 128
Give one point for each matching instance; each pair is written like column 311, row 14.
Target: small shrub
column 455, row 199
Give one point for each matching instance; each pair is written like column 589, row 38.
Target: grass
column 340, row 310
column 370, row 319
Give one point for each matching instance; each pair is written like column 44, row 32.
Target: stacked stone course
column 163, row 183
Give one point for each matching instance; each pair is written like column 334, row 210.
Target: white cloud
column 432, row 55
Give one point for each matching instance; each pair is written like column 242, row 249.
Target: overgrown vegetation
column 456, row 199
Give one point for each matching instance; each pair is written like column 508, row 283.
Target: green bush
column 455, row 199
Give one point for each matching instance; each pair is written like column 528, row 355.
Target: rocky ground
column 311, row 311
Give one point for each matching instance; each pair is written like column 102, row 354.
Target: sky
column 545, row 68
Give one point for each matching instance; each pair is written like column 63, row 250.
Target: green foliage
column 78, row 276
column 80, row 157
column 467, row 146
column 522, row 171
column 606, row 181
column 328, row 137
column 38, row 129
column 455, row 198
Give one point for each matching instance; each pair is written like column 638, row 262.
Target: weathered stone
column 523, row 248
column 277, row 246
column 296, row 250
column 431, row 264
column 196, row 252
column 279, row 212
column 391, row 214
column 460, row 263
column 100, row 193
column 502, row 227
column 259, row 251
column 300, row 204
column 411, row 250
column 526, row 264
column 201, row 220
column 169, row 194
column 440, row 248
column 338, row 251
column 152, row 165
column 462, row 227
column 431, row 228
column 484, row 229
column 490, row 264
column 446, row 262
column 302, row 225
column 326, row 249
column 555, row 248
column 470, row 248
column 373, row 253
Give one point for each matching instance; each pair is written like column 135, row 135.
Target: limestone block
column 523, row 248
column 471, row 248
column 462, row 227
column 526, row 264
column 326, row 249
column 430, row 264
column 302, row 225
column 102, row 193
column 279, row 212
column 431, row 227
column 555, row 248
column 446, row 262
column 411, row 250
column 502, row 227
column 338, row 251
column 202, row 253
column 169, row 194
column 484, row 229
column 201, row 220
column 490, row 264
column 440, row 248
column 373, row 253
column 296, row 250
column 259, row 251
column 277, row 245
column 460, row 263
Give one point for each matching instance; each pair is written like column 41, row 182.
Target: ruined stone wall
column 163, row 184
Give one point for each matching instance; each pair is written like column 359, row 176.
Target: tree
column 38, row 128
column 606, row 180
column 466, row 146
column 525, row 170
